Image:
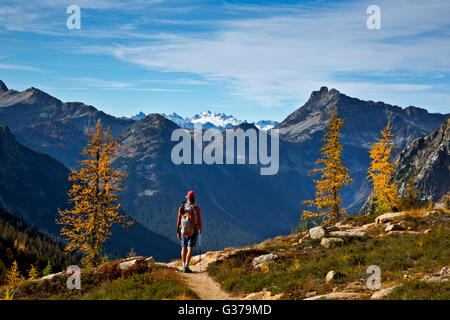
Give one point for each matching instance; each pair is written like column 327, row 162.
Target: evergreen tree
column 95, row 197
column 48, row 269
column 334, row 175
column 381, row 172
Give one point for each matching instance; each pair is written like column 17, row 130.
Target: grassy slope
column 303, row 269
column 154, row 283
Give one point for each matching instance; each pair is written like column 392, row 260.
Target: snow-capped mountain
column 139, row 116
column 210, row 120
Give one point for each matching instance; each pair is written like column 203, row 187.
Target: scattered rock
column 445, row 272
column 347, row 234
column 380, row 294
column 435, row 278
column 50, row 276
column 330, row 276
column 331, row 242
column 258, row 262
column 427, row 231
column 149, row 260
column 130, row 262
column 263, row 295
column 403, row 224
column 332, row 228
column 311, row 294
column 391, row 216
column 394, row 227
column 430, row 214
column 440, row 205
column 357, row 285
column 340, row 296
column 317, row 232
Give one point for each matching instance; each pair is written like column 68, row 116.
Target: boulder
column 317, row 232
column 440, row 205
column 149, row 260
column 445, row 272
column 403, row 224
column 330, row 276
column 431, row 214
column 262, row 295
column 51, row 276
column 310, row 294
column 380, row 294
column 394, row 227
column 331, row 242
column 130, row 262
column 258, row 262
column 392, row 216
column 347, row 234
column 340, row 296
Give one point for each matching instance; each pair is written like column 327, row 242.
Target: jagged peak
column 3, row 87
column 323, row 92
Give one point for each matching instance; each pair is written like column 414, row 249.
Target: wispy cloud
column 279, row 58
column 19, row 67
column 97, row 83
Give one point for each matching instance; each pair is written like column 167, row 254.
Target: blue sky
column 253, row 59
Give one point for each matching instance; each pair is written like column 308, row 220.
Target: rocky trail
column 205, row 287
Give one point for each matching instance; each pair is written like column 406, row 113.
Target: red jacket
column 199, row 218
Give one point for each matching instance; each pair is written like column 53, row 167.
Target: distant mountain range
column 238, row 204
column 210, row 120
column 34, row 185
column 44, row 123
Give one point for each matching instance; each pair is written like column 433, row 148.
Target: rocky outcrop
column 331, row 242
column 317, row 232
column 340, row 296
column 258, row 262
column 426, row 160
column 390, row 216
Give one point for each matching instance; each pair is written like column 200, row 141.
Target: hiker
column 189, row 224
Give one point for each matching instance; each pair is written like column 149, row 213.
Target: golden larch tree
column 13, row 276
column 94, row 195
column 381, row 172
column 33, row 274
column 334, row 175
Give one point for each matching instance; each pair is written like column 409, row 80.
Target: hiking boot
column 187, row 270
column 183, row 269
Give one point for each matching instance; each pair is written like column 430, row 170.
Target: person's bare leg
column 183, row 255
column 189, row 255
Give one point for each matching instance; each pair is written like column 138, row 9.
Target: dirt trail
column 204, row 286
column 199, row 281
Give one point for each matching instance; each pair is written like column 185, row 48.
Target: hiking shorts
column 189, row 241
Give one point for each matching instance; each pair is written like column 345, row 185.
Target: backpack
column 189, row 222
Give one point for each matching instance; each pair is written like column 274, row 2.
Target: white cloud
column 281, row 58
column 19, row 67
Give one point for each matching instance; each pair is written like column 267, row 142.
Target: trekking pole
column 200, row 246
